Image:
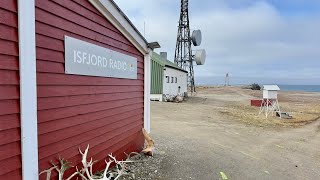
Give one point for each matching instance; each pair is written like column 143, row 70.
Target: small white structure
column 270, row 102
column 175, row 82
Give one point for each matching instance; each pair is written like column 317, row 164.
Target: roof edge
column 182, row 70
column 166, row 62
column 111, row 11
column 272, row 87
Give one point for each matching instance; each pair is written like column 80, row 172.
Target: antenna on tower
column 183, row 53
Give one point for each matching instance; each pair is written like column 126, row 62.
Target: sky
column 262, row 41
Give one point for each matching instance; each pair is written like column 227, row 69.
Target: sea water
column 305, row 88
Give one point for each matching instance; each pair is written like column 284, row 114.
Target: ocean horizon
column 303, row 88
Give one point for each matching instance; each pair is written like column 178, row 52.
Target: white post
column 28, row 89
column 147, row 82
column 261, row 107
column 267, row 108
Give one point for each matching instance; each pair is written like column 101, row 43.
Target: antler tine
column 86, row 151
column 85, row 164
column 113, row 157
column 106, row 169
column 48, row 171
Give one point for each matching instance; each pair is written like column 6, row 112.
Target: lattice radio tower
column 183, row 53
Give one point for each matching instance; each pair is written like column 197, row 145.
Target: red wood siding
column 74, row 111
column 10, row 148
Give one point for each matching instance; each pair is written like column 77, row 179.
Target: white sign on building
column 83, row 58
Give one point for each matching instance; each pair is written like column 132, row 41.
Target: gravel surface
column 196, row 140
column 147, row 167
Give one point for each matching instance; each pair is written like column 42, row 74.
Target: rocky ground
column 218, row 135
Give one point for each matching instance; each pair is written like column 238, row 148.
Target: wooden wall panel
column 74, row 111
column 10, row 148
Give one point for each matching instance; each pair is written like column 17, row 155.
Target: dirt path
column 196, row 140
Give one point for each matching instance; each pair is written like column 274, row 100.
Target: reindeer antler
column 86, row 172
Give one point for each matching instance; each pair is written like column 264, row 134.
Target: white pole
column 267, row 108
column 28, row 89
column 147, row 86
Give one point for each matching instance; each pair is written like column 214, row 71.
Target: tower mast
column 183, row 52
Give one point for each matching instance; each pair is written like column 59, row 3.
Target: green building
column 167, row 79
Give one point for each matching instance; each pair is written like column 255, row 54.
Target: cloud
column 248, row 38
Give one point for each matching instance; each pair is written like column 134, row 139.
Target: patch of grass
column 249, row 115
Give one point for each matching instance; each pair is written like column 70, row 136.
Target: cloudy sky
column 263, row 41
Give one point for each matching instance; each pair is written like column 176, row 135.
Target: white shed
column 175, row 81
column 270, row 91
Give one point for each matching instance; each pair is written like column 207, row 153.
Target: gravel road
column 194, row 140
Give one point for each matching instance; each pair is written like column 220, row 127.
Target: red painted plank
column 85, row 12
column 107, row 141
column 10, row 164
column 8, row 33
column 9, row 136
column 14, row 175
column 56, row 125
column 9, row 121
column 140, row 71
column 10, row 5
column 88, row 5
column 8, row 18
column 74, row 29
column 59, row 102
column 51, row 32
column 49, row 43
column 9, row 77
column 9, row 47
column 100, row 150
column 57, row 91
column 9, row 62
column 8, row 57
column 70, row 132
column 72, row 151
column 50, row 67
column 52, row 114
column 9, row 92
column 72, row 80
column 72, row 15
column 10, row 150
column 73, row 132
column 140, row 64
column 49, row 55
column 9, row 107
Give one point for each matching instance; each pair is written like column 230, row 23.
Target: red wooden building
column 45, row 112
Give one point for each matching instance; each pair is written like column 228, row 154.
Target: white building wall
column 171, row 88
column 267, row 94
